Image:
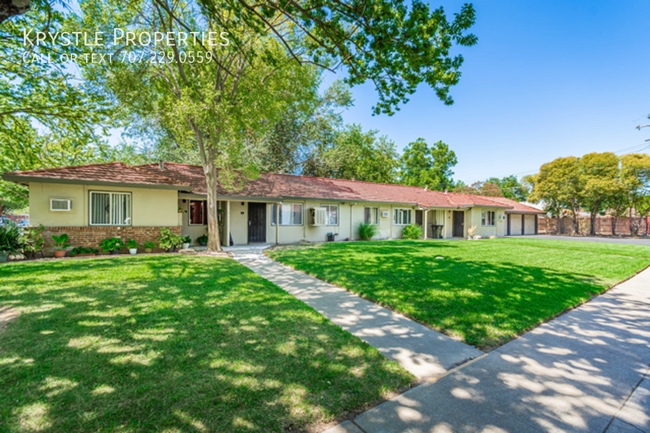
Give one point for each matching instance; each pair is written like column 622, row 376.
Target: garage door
column 529, row 224
column 515, row 224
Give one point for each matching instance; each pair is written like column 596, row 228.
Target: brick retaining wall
column 91, row 237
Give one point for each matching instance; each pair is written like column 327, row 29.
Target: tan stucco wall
column 150, row 207
column 193, row 231
column 476, row 217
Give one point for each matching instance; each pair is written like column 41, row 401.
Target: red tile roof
column 271, row 185
column 112, row 172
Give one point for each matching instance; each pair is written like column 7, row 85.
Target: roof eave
column 28, row 179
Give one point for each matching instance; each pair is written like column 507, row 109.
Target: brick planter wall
column 91, row 237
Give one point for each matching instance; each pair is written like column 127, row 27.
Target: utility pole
column 643, row 126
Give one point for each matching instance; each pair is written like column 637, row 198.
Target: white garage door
column 529, row 224
column 515, row 224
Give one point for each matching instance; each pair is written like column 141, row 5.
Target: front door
column 459, row 224
column 418, row 217
column 256, row 222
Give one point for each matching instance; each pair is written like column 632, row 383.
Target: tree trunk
column 208, row 158
column 10, row 8
column 576, row 224
column 592, row 229
column 613, row 225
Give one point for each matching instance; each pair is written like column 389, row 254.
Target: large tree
column 426, row 166
column 559, row 183
column 635, row 176
column 224, row 106
column 601, row 184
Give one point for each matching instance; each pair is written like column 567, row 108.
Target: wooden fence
column 605, row 225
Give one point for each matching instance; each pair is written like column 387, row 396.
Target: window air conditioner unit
column 60, row 204
column 317, row 216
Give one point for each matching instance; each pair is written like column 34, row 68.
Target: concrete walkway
column 628, row 241
column 420, row 350
column 586, row 371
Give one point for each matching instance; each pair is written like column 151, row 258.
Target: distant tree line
column 597, row 183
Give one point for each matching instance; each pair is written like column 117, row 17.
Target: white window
column 488, row 218
column 332, row 214
column 198, row 212
column 371, row 215
column 402, row 216
column 110, row 208
column 290, row 214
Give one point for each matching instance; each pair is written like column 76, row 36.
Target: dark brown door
column 418, row 217
column 459, row 224
column 256, row 222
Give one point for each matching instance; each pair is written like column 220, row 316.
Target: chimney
column 161, row 164
column 426, row 187
column 445, row 190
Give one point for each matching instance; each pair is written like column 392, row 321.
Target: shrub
column 202, row 240
column 412, row 231
column 83, row 250
column 367, row 231
column 131, row 243
column 169, row 240
column 11, row 240
column 150, row 244
column 187, row 240
column 33, row 239
column 111, row 244
column 61, row 242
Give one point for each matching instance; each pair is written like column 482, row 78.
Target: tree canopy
column 428, row 166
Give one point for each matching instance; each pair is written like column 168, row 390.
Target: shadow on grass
column 485, row 293
column 173, row 343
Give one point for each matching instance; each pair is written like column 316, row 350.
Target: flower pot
column 148, row 250
column 115, row 252
column 133, row 251
column 59, row 254
column 186, row 246
column 3, row 257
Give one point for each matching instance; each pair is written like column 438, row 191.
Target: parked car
column 23, row 223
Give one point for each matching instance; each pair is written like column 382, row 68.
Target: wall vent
column 60, row 204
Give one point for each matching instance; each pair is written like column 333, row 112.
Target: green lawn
column 482, row 292
column 173, row 343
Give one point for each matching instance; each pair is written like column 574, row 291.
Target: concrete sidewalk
column 604, row 240
column 420, row 350
column 586, row 371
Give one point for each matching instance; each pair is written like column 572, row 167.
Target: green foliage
column 168, row 240
column 187, row 240
column 61, row 241
column 149, row 244
column 11, row 240
column 412, row 231
column 33, row 239
column 202, row 240
column 131, row 243
column 111, row 244
column 396, row 44
column 47, row 117
column 367, row 231
column 426, row 166
column 635, row 176
column 83, row 250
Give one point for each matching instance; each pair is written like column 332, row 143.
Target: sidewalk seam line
column 645, row 375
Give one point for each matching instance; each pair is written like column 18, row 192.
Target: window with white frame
column 290, row 214
column 198, row 213
column 110, row 208
column 332, row 214
column 371, row 215
column 402, row 216
column 488, row 218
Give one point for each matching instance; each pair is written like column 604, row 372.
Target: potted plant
column 186, row 242
column 132, row 245
column 202, row 240
column 83, row 251
column 10, row 241
column 168, row 240
column 111, row 245
column 61, row 244
column 149, row 246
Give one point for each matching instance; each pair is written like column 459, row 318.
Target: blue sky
column 547, row 79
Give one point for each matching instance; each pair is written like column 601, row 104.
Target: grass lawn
column 482, row 292
column 173, row 343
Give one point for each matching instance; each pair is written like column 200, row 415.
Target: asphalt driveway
column 613, row 240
